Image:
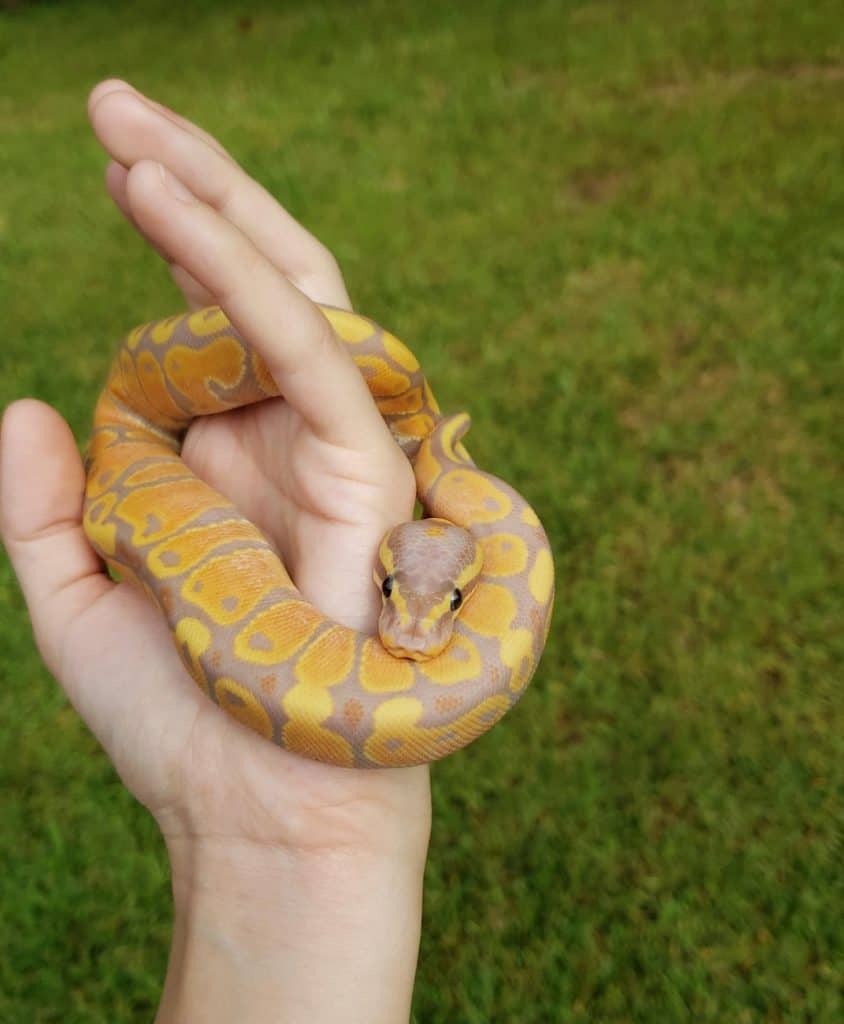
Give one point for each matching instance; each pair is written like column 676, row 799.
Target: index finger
column 133, row 128
column 312, row 368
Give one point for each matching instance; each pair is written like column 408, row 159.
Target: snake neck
column 515, row 546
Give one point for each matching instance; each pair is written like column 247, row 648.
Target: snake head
column 426, row 571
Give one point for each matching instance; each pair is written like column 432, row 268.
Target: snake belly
column 245, row 633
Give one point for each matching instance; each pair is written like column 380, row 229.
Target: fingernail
column 174, row 186
column 107, row 86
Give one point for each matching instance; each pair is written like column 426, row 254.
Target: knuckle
column 324, row 258
column 317, row 262
column 222, row 190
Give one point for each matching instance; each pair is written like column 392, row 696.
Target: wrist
column 266, row 933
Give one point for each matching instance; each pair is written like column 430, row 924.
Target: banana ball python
column 466, row 591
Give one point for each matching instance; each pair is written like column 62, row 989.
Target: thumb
column 42, row 482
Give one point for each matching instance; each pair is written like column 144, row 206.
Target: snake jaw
column 424, row 639
column 412, row 627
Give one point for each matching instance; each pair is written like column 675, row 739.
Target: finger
column 115, row 179
column 131, row 129
column 42, row 481
column 312, row 369
column 118, row 85
column 195, row 295
column 113, row 657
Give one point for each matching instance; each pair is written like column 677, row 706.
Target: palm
column 199, row 772
column 323, row 506
column 281, row 476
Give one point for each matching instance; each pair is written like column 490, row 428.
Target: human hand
column 269, row 851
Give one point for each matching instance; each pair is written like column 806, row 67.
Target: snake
column 466, row 590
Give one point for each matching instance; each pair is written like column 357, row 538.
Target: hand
column 268, row 849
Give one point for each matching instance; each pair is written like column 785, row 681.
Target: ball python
column 466, row 591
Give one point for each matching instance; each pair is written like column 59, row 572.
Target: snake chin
column 414, row 647
column 412, row 628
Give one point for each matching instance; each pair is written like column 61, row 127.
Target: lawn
column 614, row 232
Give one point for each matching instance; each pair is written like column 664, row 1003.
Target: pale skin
column 297, row 886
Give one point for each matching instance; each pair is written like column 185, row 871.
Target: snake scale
column 466, row 591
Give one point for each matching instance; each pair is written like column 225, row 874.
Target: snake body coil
column 246, row 635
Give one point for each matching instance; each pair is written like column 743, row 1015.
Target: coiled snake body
column 467, row 592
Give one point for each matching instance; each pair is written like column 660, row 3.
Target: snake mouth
column 414, row 647
column 401, row 652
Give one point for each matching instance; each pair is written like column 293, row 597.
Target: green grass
column 614, row 232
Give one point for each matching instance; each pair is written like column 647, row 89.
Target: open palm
column 317, row 471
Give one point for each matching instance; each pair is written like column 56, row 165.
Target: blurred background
column 614, row 232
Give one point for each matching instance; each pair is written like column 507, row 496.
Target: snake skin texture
column 246, row 635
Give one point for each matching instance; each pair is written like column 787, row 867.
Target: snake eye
column 387, row 586
column 456, row 599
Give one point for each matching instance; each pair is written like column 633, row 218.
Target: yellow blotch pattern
column 177, row 554
column 398, row 351
column 165, row 406
column 490, row 609
column 277, row 633
column 395, row 717
column 348, row 326
column 119, row 455
column 541, row 577
column 134, row 336
column 263, row 376
column 208, row 321
column 103, row 534
column 228, row 587
column 529, row 516
column 464, row 496
column 419, row 425
column 456, row 426
column 310, row 739
column 163, row 330
column 107, row 411
column 399, row 717
column 157, row 511
column 383, row 381
column 221, row 362
column 410, row 401
column 385, row 555
column 123, row 380
column 328, row 660
column 461, row 454
column 517, row 654
column 458, row 662
column 505, row 554
column 193, row 638
column 426, row 468
column 380, row 672
column 168, row 469
column 99, row 481
column 238, row 702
